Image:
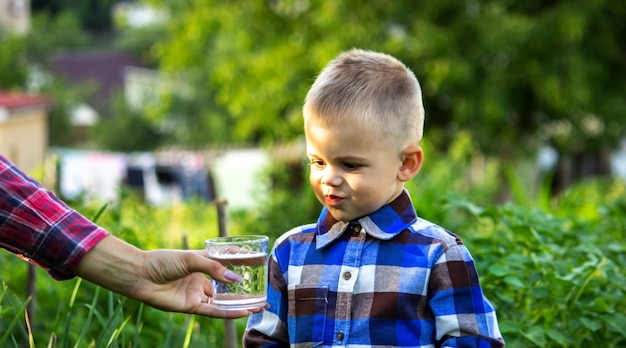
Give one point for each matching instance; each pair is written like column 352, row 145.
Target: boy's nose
column 331, row 177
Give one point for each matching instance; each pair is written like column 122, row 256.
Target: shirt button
column 347, row 275
column 340, row 336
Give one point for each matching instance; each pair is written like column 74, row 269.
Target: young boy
column 370, row 272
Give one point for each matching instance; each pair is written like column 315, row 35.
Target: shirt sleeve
column 38, row 227
column 463, row 315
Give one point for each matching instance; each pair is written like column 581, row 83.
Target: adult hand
column 170, row 280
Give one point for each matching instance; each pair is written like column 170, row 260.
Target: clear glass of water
column 247, row 257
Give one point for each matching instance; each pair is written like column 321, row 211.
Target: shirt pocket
column 307, row 313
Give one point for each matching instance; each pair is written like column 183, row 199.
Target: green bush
column 556, row 279
column 552, row 266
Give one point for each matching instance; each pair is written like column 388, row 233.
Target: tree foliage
column 94, row 15
column 23, row 61
column 513, row 73
column 13, row 68
column 53, row 34
column 109, row 132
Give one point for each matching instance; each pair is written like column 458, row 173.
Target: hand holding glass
column 247, row 257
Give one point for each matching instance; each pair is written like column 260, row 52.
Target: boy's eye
column 317, row 163
column 350, row 166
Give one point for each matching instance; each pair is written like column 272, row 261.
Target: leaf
column 459, row 201
column 537, row 335
column 509, row 327
column 540, row 292
column 591, row 324
column 557, row 336
column 514, row 282
column 499, row 270
column 516, row 259
column 601, row 305
column 617, row 322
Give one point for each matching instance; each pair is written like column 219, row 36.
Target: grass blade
column 89, row 319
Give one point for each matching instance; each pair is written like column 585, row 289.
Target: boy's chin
column 343, row 216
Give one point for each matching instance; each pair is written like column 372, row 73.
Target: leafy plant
column 557, row 281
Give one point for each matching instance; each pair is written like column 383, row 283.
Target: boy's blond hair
column 373, row 89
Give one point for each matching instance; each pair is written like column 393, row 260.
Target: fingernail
column 232, row 276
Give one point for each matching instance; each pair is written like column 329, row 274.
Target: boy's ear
column 413, row 156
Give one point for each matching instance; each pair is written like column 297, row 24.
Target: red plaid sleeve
column 37, row 226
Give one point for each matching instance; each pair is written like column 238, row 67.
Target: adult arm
column 40, row 228
column 170, row 280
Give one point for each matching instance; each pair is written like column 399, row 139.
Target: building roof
column 105, row 69
column 16, row 100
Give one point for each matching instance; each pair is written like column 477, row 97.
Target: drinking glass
column 247, row 257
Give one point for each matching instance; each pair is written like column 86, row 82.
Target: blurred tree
column 514, row 74
column 13, row 66
column 50, row 35
column 138, row 41
column 65, row 98
column 94, row 15
column 126, row 130
column 56, row 27
column 22, row 67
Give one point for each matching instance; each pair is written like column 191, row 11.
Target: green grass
column 76, row 313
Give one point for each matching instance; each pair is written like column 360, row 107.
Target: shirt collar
column 385, row 223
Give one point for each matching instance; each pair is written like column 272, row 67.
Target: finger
column 210, row 310
column 200, row 263
column 208, row 288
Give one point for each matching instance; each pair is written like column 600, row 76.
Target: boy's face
column 352, row 173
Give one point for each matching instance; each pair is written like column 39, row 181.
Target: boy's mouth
column 332, row 200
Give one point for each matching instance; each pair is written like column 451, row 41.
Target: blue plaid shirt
column 387, row 279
